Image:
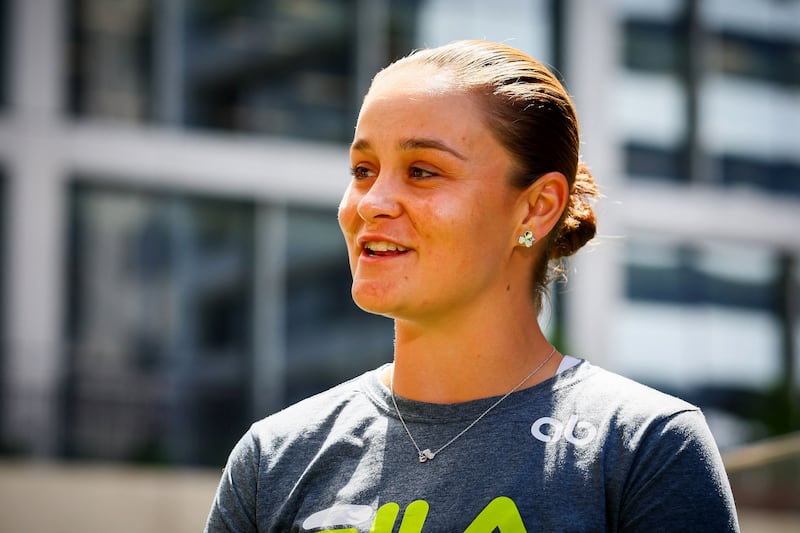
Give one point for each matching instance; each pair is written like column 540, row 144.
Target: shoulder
column 596, row 387
column 629, row 414
column 313, row 418
column 661, row 443
column 670, row 466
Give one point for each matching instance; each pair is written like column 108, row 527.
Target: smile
column 383, row 248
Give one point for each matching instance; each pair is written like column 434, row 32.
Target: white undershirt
column 566, row 363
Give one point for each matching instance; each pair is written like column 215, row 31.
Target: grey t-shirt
column 586, row 450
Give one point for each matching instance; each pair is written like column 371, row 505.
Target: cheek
column 348, row 214
column 348, row 224
column 453, row 230
column 456, row 221
column 468, row 234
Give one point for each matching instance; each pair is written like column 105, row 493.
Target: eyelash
column 360, row 172
column 427, row 173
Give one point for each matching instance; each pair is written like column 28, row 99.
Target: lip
column 394, row 247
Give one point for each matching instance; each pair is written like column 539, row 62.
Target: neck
column 463, row 358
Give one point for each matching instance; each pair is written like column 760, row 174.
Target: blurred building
column 171, row 264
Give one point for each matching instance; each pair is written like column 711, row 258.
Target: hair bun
column 579, row 224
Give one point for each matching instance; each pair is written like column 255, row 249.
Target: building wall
column 165, row 169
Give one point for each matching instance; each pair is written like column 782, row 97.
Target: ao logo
column 586, row 432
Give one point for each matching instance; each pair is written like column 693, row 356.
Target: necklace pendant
column 426, row 455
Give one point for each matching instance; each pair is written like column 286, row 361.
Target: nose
column 381, row 200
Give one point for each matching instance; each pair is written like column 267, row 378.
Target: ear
column 543, row 202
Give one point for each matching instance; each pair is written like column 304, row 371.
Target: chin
column 373, row 299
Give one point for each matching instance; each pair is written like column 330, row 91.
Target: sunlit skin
column 431, row 225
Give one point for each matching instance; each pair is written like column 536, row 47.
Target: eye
column 420, row 173
column 361, row 172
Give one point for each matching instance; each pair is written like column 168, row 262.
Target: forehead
column 419, row 97
column 423, row 108
column 414, row 78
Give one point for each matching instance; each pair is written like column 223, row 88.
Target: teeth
column 384, row 246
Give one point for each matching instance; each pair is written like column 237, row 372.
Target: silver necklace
column 426, row 454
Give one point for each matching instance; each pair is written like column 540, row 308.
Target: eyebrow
column 416, row 143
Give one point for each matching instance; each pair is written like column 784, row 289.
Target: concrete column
column 35, row 215
column 595, row 287
column 269, row 312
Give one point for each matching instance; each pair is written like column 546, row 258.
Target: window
column 655, row 46
column 329, row 339
column 764, row 174
column 190, row 316
column 159, row 325
column 649, row 162
column 709, row 324
column 655, row 105
column 774, row 60
column 111, row 59
column 280, row 67
column 690, row 110
column 644, row 161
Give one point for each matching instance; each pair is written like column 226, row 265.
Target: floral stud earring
column 527, row 239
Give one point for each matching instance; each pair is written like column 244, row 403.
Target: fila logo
column 577, row 432
column 500, row 515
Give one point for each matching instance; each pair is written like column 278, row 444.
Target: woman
column 466, row 190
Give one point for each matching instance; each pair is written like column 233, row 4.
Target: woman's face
column 429, row 218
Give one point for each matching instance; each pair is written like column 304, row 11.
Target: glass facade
column 708, row 95
column 773, row 59
column 110, row 59
column 167, row 318
column 328, row 339
column 278, row 67
column 655, row 46
column 289, row 68
column 194, row 304
column 702, row 94
column 159, row 332
column 709, row 323
column 190, row 310
column 282, row 67
column 655, row 56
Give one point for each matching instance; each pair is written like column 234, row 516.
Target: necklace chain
column 426, row 454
